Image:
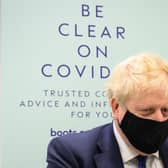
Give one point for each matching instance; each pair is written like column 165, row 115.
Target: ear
column 114, row 106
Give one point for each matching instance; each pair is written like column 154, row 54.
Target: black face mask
column 144, row 134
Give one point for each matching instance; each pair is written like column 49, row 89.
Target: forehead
column 152, row 98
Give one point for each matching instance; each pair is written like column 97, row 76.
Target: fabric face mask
column 144, row 134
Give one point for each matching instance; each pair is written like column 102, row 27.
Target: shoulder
column 80, row 140
column 75, row 147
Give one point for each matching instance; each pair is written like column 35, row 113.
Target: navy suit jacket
column 96, row 148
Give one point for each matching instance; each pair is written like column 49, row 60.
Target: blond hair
column 138, row 74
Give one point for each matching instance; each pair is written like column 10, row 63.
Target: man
column 137, row 137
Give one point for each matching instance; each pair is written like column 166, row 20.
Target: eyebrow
column 140, row 107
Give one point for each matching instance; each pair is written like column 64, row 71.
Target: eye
column 164, row 110
column 147, row 111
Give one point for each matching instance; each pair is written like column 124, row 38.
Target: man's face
column 152, row 106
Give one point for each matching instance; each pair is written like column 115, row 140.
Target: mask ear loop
column 120, row 108
column 126, row 111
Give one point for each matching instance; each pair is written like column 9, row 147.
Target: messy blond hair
column 138, row 74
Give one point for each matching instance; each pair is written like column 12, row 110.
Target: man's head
column 138, row 91
column 136, row 75
column 137, row 81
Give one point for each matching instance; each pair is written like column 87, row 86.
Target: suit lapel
column 109, row 155
column 108, row 160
